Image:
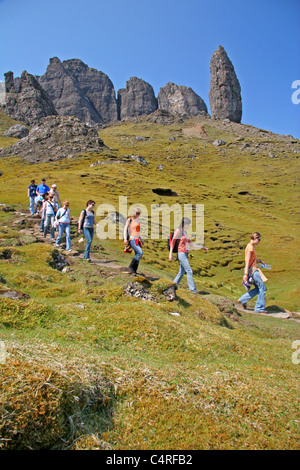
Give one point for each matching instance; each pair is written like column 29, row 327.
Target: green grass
column 91, row 368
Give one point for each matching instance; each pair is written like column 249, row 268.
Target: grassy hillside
column 88, row 367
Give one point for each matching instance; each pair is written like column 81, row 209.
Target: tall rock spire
column 225, row 90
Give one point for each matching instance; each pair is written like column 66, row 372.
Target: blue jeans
column 137, row 250
column 32, row 205
column 61, row 229
column 49, row 221
column 88, row 234
column 259, row 290
column 185, row 268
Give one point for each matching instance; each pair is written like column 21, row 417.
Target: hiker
column 56, row 199
column 133, row 238
column 62, row 220
column 86, row 223
column 251, row 270
column 49, row 216
column 31, row 193
column 42, row 200
column 41, row 190
column 183, row 243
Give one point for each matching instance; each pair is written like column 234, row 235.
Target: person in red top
column 133, row 238
column 183, row 253
column 258, row 276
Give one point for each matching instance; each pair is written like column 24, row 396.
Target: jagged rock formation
column 55, row 137
column 78, row 90
column 181, row 100
column 225, row 91
column 29, row 102
column 137, row 99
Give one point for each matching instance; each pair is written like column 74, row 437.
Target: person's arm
column 28, row 192
column 58, row 199
column 126, row 231
column 246, row 271
column 172, row 244
column 79, row 222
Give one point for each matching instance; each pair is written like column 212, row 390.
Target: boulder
column 181, row 100
column 18, row 131
column 225, row 90
column 81, row 91
column 137, row 99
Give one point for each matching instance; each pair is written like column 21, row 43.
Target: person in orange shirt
column 133, row 237
column 183, row 253
column 258, row 277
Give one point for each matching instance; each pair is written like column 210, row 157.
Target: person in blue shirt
column 42, row 188
column 31, row 193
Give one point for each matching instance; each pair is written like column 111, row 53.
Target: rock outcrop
column 225, row 91
column 55, row 137
column 18, row 131
column 29, row 102
column 137, row 99
column 81, row 91
column 182, row 100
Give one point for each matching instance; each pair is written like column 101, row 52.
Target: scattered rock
column 13, row 294
column 136, row 158
column 58, row 261
column 218, row 142
column 161, row 167
column 170, row 293
column 135, row 289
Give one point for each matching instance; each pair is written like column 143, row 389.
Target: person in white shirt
column 63, row 220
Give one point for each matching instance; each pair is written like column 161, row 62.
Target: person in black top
column 31, row 193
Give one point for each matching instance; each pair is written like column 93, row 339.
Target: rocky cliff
column 28, row 102
column 225, row 91
column 137, row 99
column 81, row 91
column 181, row 100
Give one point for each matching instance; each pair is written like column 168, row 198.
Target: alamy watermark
column 296, row 354
column 296, row 94
column 2, row 352
column 154, row 225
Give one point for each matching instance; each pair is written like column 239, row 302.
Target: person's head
column 90, row 204
column 32, row 181
column 136, row 213
column 185, row 223
column 255, row 237
column 53, row 187
column 43, row 181
column 51, row 197
column 46, row 196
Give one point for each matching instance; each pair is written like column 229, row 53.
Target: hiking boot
column 242, row 305
column 133, row 266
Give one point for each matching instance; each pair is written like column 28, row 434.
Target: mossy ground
column 88, row 367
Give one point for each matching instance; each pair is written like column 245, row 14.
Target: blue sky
column 165, row 41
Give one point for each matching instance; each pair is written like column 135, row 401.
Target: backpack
column 175, row 249
column 83, row 219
